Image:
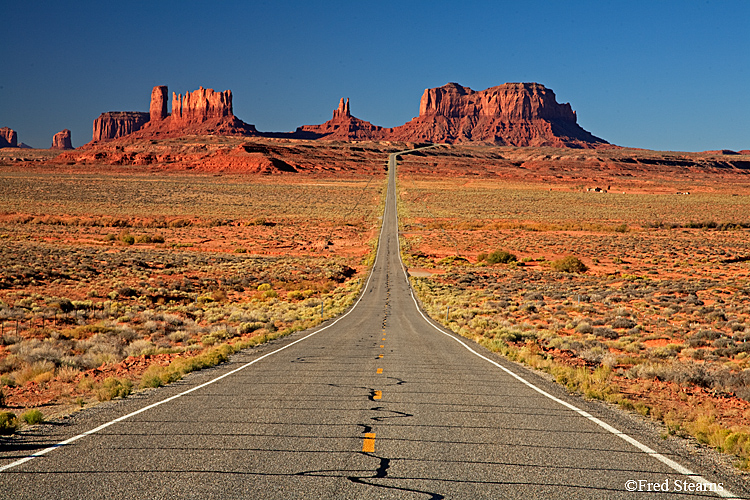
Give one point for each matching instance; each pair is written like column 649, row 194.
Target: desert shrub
column 2, row 398
column 584, row 328
column 39, row 371
column 33, row 417
column 623, row 323
column 113, row 387
column 67, row 373
column 501, row 257
column 605, row 332
column 139, row 348
column 250, row 327
column 127, row 238
column 8, row 422
column 569, row 264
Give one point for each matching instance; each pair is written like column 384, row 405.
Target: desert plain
column 621, row 273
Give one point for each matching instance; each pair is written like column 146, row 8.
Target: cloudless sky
column 665, row 75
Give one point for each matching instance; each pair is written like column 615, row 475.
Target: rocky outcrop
column 342, row 127
column 114, row 124
column 514, row 114
column 200, row 106
column 8, row 138
column 159, row 100
column 61, row 140
column 343, row 109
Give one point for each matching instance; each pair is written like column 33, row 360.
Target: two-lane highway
column 377, row 404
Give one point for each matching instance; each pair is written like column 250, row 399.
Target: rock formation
column 61, row 140
column 342, row 127
column 200, row 106
column 514, row 114
column 158, row 108
column 8, row 138
column 343, row 110
column 116, row 124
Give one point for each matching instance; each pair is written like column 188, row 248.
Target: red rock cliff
column 515, row 114
column 159, row 100
column 8, row 138
column 342, row 127
column 61, row 140
column 116, row 124
column 200, row 106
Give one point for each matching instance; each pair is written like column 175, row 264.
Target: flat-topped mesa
column 199, row 106
column 511, row 102
column 159, row 99
column 114, row 124
column 513, row 114
column 8, row 138
column 343, row 109
column 61, row 140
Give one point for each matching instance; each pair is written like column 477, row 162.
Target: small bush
column 584, row 328
column 569, row 264
column 605, row 332
column 8, row 423
column 623, row 323
column 127, row 238
column 501, row 257
column 113, row 387
column 33, row 417
column 482, row 256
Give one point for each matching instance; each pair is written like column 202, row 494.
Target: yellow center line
column 378, row 395
column 380, row 355
column 380, row 370
column 368, row 444
column 381, row 346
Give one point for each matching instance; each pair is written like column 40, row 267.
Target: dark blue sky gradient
column 666, row 75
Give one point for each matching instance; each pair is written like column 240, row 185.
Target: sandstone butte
column 61, row 140
column 203, row 111
column 8, row 138
column 342, row 127
column 513, row 114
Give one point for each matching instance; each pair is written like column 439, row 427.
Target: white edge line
column 158, row 403
column 645, row 449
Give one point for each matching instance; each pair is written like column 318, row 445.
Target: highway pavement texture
column 379, row 403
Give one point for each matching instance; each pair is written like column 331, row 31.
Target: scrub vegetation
column 112, row 283
column 620, row 297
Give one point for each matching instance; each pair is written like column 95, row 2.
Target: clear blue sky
column 666, row 75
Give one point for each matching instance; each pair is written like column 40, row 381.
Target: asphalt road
column 378, row 404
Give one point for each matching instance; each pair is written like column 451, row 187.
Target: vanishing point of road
column 380, row 403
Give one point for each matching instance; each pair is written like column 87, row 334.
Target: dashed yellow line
column 368, row 444
column 378, row 395
column 381, row 346
column 380, row 370
column 380, row 355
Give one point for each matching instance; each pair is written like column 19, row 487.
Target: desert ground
column 128, row 265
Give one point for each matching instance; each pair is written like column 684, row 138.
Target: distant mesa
column 513, row 114
column 201, row 112
column 114, row 124
column 61, row 140
column 8, row 138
